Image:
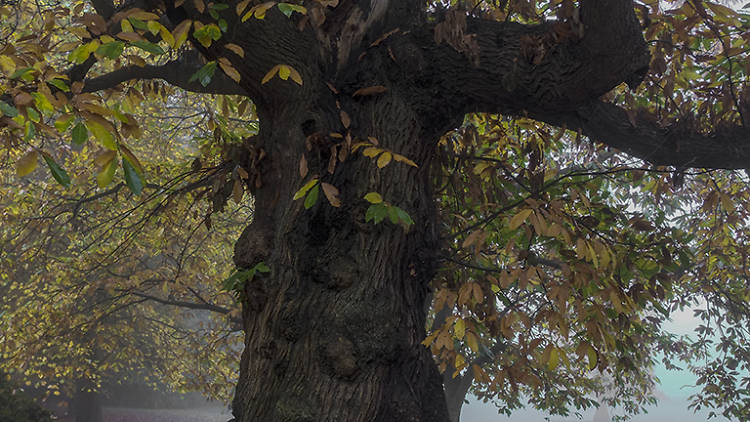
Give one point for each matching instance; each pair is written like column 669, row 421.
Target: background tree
column 353, row 99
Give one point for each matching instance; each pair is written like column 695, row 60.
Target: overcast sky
column 672, row 408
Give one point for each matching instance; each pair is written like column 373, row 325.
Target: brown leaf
column 345, row 120
column 370, row 90
column 331, row 193
column 303, row 166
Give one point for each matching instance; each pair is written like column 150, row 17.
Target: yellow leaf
column 384, row 159
column 296, row 77
column 593, row 358
column 460, row 361
column 241, row 6
column 371, row 152
column 236, row 49
column 104, row 158
column 8, row 65
column 259, row 11
column 303, row 190
column 166, row 36
column 472, row 341
column 284, row 72
column 519, row 218
column 180, row 33
column 459, row 328
column 143, row 15
column 554, row 358
column 230, row 71
column 401, row 159
column 332, row 194
column 107, row 173
column 27, row 163
column 153, row 27
column 373, row 198
column 270, row 74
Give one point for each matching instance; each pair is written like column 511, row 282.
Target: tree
column 353, row 99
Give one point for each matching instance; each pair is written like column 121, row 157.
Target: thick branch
column 177, row 73
column 677, row 145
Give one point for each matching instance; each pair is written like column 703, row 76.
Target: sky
column 672, row 407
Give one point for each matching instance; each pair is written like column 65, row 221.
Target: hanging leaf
column 180, row 33
column 102, row 134
column 132, row 179
column 80, row 134
column 107, row 174
column 148, row 47
column 303, row 190
column 27, row 163
column 60, row 175
column 373, row 198
column 204, row 74
column 312, row 197
column 519, row 218
column 8, row 109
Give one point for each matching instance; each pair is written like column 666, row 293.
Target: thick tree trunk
column 334, row 331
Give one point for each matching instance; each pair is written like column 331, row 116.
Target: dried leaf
column 332, row 194
column 370, row 90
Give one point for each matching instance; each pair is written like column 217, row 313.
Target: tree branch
column 177, row 73
column 678, row 145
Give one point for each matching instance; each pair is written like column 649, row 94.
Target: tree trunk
column 334, row 331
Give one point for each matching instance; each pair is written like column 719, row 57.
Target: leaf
column 306, row 187
column 289, row 8
column 238, row 190
column 376, row 213
column 236, row 49
column 373, row 198
column 519, row 219
column 270, row 74
column 148, row 47
column 403, row 216
column 370, row 90
column 79, row 134
column 345, row 120
column 241, row 6
column 296, row 77
column 259, row 11
column 303, row 166
column 180, row 33
column 27, row 163
column 128, row 155
column 8, row 109
column 384, row 159
column 107, row 174
column 102, row 134
column 132, row 179
column 459, row 329
column 7, row 64
column 22, row 73
column 207, row 34
column 593, row 358
column 63, row 122
column 472, row 341
column 312, row 197
column 111, row 50
column 332, row 194
column 230, row 71
column 60, row 175
column 284, row 72
column 554, row 358
column 401, row 159
column 204, row 74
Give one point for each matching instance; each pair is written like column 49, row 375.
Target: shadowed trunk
column 341, row 316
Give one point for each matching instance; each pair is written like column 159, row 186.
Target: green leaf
column 206, row 34
column 376, row 213
column 312, row 197
column 373, row 198
column 33, row 114
column 8, row 109
column 403, row 216
column 22, row 73
column 288, row 9
column 148, row 47
column 303, row 190
column 30, row 131
column 63, row 122
column 105, row 176
column 262, row 267
column 132, row 179
column 138, row 24
column 204, row 74
column 57, row 172
column 80, row 134
column 111, row 50
column 59, row 84
column 393, row 215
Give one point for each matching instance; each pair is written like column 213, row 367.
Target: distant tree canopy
column 507, row 198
